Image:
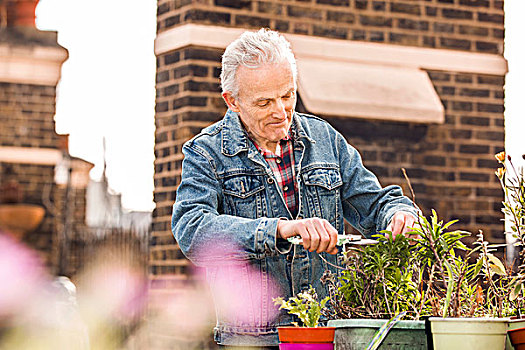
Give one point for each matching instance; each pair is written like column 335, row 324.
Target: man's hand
column 401, row 223
column 317, row 234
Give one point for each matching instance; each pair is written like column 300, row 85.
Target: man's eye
column 263, row 103
column 287, row 96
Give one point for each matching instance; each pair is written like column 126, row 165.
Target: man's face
column 265, row 102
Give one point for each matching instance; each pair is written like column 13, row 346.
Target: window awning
column 372, row 91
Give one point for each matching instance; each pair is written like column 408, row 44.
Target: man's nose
column 280, row 108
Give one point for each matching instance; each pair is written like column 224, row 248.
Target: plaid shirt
column 282, row 164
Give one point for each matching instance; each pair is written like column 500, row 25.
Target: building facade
column 34, row 159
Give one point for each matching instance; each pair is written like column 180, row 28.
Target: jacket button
column 270, row 180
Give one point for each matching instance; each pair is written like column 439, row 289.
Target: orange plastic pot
column 306, row 334
column 517, row 338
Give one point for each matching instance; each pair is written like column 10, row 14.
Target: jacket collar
column 234, row 138
column 298, row 131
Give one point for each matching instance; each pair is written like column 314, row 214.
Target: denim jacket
column 226, row 212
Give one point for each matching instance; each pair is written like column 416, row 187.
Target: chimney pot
column 21, row 13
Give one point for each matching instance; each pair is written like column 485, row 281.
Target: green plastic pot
column 469, row 333
column 356, row 334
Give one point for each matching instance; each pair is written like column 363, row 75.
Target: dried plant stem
column 515, row 216
column 329, row 263
column 428, row 291
column 492, row 286
column 456, row 308
column 409, row 185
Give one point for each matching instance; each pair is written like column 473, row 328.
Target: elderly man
column 265, row 173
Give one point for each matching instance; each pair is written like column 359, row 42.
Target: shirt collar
column 235, row 139
column 278, row 150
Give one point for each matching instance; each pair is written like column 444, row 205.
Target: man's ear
column 231, row 101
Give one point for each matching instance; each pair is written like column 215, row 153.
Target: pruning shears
column 341, row 240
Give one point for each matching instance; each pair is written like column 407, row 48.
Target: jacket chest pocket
column 244, row 196
column 322, row 193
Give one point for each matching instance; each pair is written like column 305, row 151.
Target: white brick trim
column 50, row 157
column 341, row 50
column 30, row 155
column 31, row 65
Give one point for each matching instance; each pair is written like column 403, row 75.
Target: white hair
column 252, row 50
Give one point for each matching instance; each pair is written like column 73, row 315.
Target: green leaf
column 452, row 222
column 496, row 265
column 450, row 288
column 515, row 292
column 478, row 267
column 305, row 306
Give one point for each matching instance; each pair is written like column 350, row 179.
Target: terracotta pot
column 306, row 334
column 20, row 219
column 21, row 13
column 517, row 338
column 514, row 323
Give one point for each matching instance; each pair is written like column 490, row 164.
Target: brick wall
column 188, row 99
column 27, row 120
column 471, row 25
column 451, row 165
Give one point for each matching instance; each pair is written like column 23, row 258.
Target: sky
column 107, row 89
column 515, row 80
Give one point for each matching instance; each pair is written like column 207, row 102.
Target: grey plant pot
column 356, row 334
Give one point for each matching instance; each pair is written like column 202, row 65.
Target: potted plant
column 379, row 282
column 512, row 180
column 470, row 316
column 432, row 274
column 467, row 287
column 308, row 334
column 466, row 291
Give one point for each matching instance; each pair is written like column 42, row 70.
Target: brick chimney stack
column 30, row 67
column 19, row 13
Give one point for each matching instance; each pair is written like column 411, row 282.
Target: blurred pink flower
column 22, row 276
column 119, row 291
column 242, row 293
